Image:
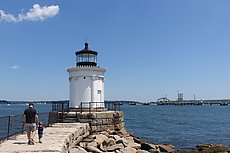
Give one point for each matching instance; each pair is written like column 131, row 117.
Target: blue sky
column 149, row 48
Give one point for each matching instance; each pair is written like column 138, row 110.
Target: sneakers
column 31, row 142
column 40, row 141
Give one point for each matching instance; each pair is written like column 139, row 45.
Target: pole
column 8, row 130
column 62, row 108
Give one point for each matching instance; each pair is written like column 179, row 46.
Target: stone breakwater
column 111, row 141
column 118, row 142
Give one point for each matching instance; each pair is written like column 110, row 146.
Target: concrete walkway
column 55, row 140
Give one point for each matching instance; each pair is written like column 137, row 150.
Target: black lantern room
column 86, row 57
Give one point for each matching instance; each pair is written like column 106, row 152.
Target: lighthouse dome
column 86, row 57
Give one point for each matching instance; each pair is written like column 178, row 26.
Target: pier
column 179, row 103
column 57, row 138
column 195, row 103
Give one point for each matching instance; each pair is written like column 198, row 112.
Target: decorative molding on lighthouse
column 86, row 80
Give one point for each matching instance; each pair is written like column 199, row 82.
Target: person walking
column 40, row 131
column 30, row 117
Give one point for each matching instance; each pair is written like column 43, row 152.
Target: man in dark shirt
column 31, row 118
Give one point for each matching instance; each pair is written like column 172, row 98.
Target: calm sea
column 182, row 126
column 18, row 109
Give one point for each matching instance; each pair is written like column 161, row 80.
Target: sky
column 150, row 48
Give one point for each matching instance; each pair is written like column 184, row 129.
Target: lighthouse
column 86, row 80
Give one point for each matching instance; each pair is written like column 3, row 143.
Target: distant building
column 180, row 97
column 86, row 80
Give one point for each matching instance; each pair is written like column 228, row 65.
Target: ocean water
column 182, row 126
column 18, row 109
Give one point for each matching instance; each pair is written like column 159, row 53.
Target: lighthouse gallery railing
column 97, row 106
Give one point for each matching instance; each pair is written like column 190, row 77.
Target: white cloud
column 7, row 17
column 39, row 13
column 36, row 13
column 15, row 67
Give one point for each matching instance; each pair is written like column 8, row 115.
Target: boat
column 120, row 103
column 145, row 103
column 223, row 104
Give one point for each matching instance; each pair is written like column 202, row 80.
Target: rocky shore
column 123, row 142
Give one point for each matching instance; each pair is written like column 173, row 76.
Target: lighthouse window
column 87, row 58
column 79, row 58
column 98, row 91
column 82, row 58
column 92, row 58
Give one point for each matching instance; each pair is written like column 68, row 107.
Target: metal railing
column 12, row 125
column 99, row 106
column 113, row 106
column 60, row 106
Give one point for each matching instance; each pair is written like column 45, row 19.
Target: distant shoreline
column 120, row 101
column 24, row 102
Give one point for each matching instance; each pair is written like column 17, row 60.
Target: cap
column 31, row 105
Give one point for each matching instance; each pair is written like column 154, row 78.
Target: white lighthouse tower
column 86, row 80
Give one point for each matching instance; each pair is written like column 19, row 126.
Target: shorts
column 30, row 127
column 40, row 136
